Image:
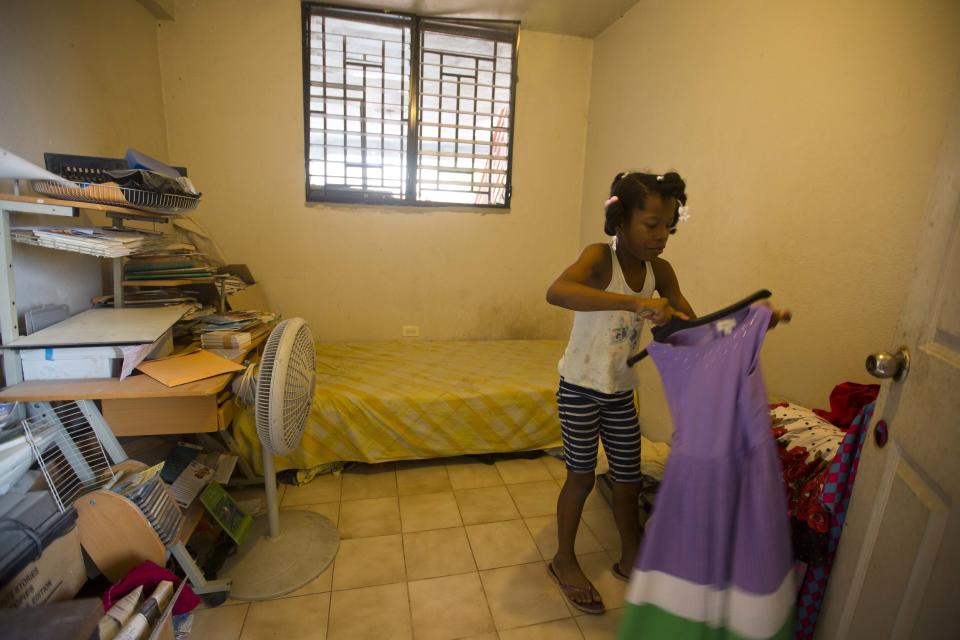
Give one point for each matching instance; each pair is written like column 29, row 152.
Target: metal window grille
column 364, row 142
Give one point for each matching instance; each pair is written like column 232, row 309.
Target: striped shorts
column 586, row 414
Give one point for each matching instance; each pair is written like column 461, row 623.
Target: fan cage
column 285, row 386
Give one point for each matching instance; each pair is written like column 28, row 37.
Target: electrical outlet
column 410, row 331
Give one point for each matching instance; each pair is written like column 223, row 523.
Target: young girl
column 610, row 287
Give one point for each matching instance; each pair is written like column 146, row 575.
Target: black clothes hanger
column 662, row 332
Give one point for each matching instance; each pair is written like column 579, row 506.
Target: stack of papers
column 234, row 330
column 166, row 259
column 94, row 241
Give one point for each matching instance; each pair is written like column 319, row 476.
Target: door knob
column 889, row 365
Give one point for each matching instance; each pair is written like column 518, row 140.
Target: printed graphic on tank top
column 716, row 559
column 601, row 341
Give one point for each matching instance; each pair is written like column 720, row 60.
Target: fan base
column 266, row 567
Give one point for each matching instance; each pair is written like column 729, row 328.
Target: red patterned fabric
column 846, row 402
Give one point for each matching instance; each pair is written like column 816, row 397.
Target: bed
column 409, row 400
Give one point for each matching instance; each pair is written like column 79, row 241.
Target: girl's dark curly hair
column 632, row 189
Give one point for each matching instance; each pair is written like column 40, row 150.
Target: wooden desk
column 139, row 405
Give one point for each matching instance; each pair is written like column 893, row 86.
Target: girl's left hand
column 778, row 316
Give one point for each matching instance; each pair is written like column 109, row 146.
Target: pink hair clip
column 610, row 201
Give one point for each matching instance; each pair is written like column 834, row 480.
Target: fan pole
column 270, row 485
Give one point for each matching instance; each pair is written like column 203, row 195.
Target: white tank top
column 601, row 341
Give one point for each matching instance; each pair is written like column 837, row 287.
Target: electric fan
column 283, row 550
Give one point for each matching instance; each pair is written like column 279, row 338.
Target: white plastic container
column 72, row 362
column 82, row 362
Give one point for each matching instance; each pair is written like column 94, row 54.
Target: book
column 226, row 512
column 182, row 454
column 190, row 482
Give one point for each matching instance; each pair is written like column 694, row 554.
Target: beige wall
column 233, row 96
column 75, row 77
column 807, row 133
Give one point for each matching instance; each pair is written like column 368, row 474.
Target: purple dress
column 716, row 560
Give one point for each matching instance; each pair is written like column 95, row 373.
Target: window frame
column 500, row 31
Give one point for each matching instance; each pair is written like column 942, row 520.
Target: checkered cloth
column 835, row 498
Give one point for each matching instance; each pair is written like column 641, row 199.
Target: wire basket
column 68, row 452
column 112, row 194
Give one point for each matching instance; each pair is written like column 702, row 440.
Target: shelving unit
column 15, row 203
column 104, row 510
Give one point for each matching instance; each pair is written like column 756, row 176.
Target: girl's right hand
column 657, row 310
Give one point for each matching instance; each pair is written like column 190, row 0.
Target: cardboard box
column 57, row 575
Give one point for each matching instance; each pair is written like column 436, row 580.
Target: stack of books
column 167, row 264
column 234, row 330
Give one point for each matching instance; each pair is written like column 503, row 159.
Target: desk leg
column 207, row 441
column 245, row 467
column 198, row 582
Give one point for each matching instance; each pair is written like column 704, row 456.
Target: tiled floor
column 437, row 551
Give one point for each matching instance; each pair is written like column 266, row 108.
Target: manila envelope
column 189, row 367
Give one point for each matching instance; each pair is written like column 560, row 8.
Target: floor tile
column 423, row 478
column 556, row 467
column 484, row 636
column 372, row 517
column 370, row 481
column 556, row 630
column 330, row 510
column 522, row 470
column 303, row 617
column 489, row 504
column 602, row 627
column 535, row 498
column 449, row 607
column 603, row 527
column 429, row 511
column 473, row 475
column 596, row 566
column 365, row 562
column 544, row 532
column 371, row 613
column 523, row 595
column 501, row 544
column 220, row 623
column 440, row 552
column 321, row 489
column 321, row 584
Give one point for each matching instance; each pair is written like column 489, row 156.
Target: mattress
column 385, row 401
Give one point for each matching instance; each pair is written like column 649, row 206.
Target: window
column 364, row 142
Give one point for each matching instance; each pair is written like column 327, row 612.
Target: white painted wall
column 75, row 77
column 807, row 133
column 232, row 85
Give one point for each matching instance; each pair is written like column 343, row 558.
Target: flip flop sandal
column 596, row 607
column 619, row 575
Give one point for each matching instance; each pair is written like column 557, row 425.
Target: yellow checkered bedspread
column 383, row 401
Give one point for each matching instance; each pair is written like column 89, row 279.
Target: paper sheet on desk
column 193, row 366
column 13, row 166
column 133, row 356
